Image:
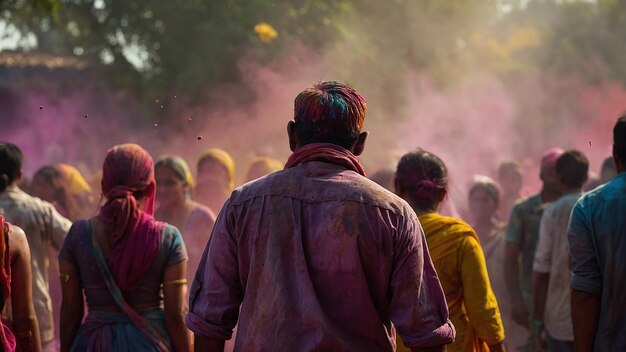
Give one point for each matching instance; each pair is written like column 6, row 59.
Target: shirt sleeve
column 58, row 226
column 515, row 226
column 418, row 305
column 543, row 253
column 586, row 274
column 480, row 301
column 177, row 249
column 216, row 292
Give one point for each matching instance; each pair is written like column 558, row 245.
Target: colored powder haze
column 473, row 124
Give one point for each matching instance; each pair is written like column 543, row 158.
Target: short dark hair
column 11, row 158
column 423, row 176
column 329, row 112
column 509, row 167
column 572, row 168
column 608, row 164
column 49, row 173
column 619, row 138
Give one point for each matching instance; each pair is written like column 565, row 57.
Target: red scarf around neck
column 325, row 152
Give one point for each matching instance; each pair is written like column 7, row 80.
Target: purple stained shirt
column 318, row 258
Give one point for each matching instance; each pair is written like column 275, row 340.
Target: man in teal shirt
column 521, row 239
column 597, row 241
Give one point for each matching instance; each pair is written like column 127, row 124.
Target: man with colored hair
column 316, row 257
column 597, row 242
column 521, row 239
column 551, row 277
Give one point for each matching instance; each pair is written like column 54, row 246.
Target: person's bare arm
column 24, row 318
column 208, row 344
column 585, row 316
column 72, row 304
column 175, row 306
column 512, row 276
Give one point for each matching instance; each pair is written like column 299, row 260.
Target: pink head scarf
column 134, row 236
column 549, row 157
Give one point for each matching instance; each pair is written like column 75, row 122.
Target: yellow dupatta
column 443, row 236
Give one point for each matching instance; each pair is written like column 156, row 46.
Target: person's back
column 599, row 216
column 422, row 180
column 45, row 228
column 129, row 267
column 78, row 249
column 325, row 260
column 597, row 242
column 318, row 258
column 551, row 266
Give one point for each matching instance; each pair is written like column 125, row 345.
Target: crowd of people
column 311, row 254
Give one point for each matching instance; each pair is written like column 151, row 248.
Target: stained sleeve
column 586, row 274
column 418, row 306
column 543, row 253
column 177, row 251
column 216, row 292
column 480, row 301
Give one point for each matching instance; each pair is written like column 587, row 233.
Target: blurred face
column 212, row 175
column 482, row 205
column 42, row 188
column 549, row 177
column 170, row 189
column 510, row 182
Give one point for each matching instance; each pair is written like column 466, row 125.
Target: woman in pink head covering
column 130, row 267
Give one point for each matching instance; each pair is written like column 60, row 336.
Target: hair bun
column 425, row 189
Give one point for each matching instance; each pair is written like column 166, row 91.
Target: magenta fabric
column 425, row 189
column 326, row 152
column 134, row 236
column 5, row 258
column 318, row 258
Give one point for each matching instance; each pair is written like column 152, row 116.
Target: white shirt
column 552, row 257
column 44, row 227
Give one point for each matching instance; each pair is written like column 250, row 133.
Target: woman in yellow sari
column 421, row 179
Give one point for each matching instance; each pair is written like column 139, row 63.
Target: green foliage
column 156, row 47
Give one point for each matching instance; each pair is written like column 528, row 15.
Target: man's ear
column 359, row 145
column 291, row 132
